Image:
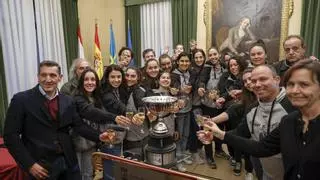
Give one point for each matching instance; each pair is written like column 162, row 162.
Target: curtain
column 50, row 36
column 19, row 45
column 310, row 26
column 69, row 10
column 184, row 21
column 3, row 93
column 156, row 26
column 133, row 16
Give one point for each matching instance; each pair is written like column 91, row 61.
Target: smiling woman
column 302, row 84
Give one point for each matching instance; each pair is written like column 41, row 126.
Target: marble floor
column 224, row 171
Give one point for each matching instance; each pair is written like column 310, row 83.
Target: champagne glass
column 187, row 88
column 206, row 131
column 205, row 118
column 141, row 117
column 129, row 114
column 213, row 94
column 199, row 120
column 174, row 91
column 111, row 136
column 181, row 102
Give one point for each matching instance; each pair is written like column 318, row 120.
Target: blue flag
column 112, row 48
column 129, row 44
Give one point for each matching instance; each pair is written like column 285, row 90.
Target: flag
column 112, row 48
column 129, row 43
column 80, row 44
column 98, row 63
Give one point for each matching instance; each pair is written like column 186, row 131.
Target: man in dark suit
column 37, row 128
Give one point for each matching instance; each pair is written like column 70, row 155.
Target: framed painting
column 233, row 25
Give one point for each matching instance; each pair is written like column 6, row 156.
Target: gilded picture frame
column 286, row 12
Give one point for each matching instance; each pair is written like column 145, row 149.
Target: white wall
column 103, row 11
column 295, row 20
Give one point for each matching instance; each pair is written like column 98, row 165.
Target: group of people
column 44, row 126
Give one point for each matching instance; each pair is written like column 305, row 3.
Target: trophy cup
column 161, row 149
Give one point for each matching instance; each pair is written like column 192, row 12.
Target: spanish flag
column 98, row 63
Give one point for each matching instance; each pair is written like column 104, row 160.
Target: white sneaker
column 248, row 176
column 181, row 168
column 197, row 159
column 187, row 161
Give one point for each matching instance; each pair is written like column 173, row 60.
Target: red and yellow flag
column 98, row 63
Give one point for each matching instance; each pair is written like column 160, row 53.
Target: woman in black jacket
column 230, row 83
column 137, row 135
column 297, row 137
column 197, row 64
column 114, row 94
column 89, row 106
column 114, row 100
column 150, row 74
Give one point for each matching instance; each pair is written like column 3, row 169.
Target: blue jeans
column 108, row 164
column 84, row 159
column 193, row 143
column 183, row 127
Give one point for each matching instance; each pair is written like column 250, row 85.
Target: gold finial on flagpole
column 96, row 20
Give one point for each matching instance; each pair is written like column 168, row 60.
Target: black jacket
column 112, row 104
column 205, row 73
column 227, row 81
column 138, row 92
column 300, row 152
column 30, row 133
column 281, row 68
column 89, row 111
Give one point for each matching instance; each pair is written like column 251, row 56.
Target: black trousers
column 213, row 112
column 193, row 142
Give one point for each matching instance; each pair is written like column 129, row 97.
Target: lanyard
column 269, row 120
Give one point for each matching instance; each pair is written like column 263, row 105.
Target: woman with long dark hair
column 137, row 135
column 89, row 106
column 114, row 94
column 150, row 74
column 209, row 78
column 197, row 64
column 114, row 100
